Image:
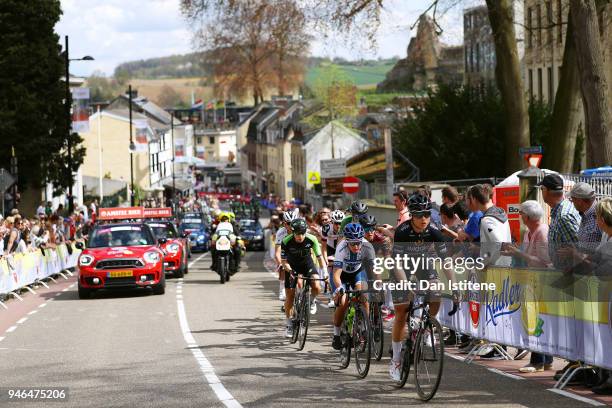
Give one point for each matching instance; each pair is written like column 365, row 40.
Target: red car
column 119, row 256
column 176, row 248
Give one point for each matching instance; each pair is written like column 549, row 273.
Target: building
column 334, row 140
column 478, row 47
column 428, row 62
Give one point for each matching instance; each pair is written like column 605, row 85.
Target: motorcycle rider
column 224, row 225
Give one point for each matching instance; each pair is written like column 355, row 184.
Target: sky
column 116, row 31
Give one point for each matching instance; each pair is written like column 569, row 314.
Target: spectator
column 425, row 190
column 564, row 220
column 48, row 209
column 589, row 235
column 400, row 201
column 450, row 221
column 40, row 211
column 450, row 196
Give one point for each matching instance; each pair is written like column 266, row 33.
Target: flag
column 80, row 110
column 198, row 104
column 220, row 104
column 141, row 137
column 210, row 105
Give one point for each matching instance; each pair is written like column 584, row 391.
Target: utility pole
column 173, row 178
column 389, row 161
column 131, row 148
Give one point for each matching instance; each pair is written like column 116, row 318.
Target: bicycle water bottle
column 350, row 316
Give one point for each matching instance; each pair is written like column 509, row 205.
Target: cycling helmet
column 299, row 226
column 359, row 207
column 367, row 221
column 290, row 215
column 337, row 215
column 418, row 203
column 353, row 232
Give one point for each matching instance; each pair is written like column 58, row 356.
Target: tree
column 32, row 110
column 593, row 83
column 336, row 92
column 168, row 97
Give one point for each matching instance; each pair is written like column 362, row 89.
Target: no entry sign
column 350, row 185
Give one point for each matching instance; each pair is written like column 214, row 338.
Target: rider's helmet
column 353, row 232
column 299, row 226
column 367, row 221
column 337, row 216
column 357, row 207
column 231, row 215
column 418, row 203
column 290, row 215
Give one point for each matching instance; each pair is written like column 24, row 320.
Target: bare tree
column 593, row 83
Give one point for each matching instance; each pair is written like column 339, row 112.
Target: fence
column 19, row 271
column 601, row 185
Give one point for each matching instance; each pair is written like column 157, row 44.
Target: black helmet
column 299, row 226
column 418, row 203
column 359, row 207
column 367, row 221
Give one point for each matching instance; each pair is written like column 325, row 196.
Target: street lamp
column 69, row 119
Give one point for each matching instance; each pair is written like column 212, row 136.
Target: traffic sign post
column 333, row 168
column 350, row 185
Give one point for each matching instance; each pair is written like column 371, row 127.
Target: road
column 203, row 344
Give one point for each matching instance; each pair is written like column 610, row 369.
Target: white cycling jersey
column 280, row 235
column 351, row 262
column 328, row 235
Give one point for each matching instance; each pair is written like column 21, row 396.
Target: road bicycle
column 376, row 326
column 355, row 333
column 423, row 347
column 301, row 311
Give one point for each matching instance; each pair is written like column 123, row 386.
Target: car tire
column 160, row 288
column 84, row 293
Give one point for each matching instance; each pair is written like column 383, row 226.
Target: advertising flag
column 80, row 110
column 141, row 140
column 179, row 148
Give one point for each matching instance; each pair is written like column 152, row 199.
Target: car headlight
column 201, row 238
column 151, row 257
column 86, row 260
column 257, row 237
column 173, row 248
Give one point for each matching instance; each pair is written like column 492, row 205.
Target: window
column 529, row 27
column 549, row 22
column 465, row 67
column 539, row 27
column 211, row 140
column 199, row 140
column 551, row 86
column 477, row 57
column 559, row 21
column 531, row 83
column 471, row 57
column 540, row 84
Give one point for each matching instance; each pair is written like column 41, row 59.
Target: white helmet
column 337, row 216
column 291, row 215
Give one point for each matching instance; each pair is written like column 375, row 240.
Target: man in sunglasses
column 415, row 238
column 352, row 264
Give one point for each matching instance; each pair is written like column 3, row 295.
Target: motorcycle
column 223, row 253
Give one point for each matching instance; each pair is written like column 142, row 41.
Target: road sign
column 289, row 183
column 333, row 168
column 314, row 177
column 533, row 159
column 350, row 185
column 333, row 185
column 531, row 150
column 6, row 180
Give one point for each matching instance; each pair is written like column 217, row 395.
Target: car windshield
column 249, row 225
column 163, row 230
column 121, row 235
column 192, row 224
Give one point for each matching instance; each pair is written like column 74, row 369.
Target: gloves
column 339, row 290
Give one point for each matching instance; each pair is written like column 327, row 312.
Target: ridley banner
column 539, row 310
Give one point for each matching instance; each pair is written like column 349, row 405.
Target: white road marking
column 514, row 377
column 32, row 312
column 577, row 397
column 23, row 319
column 43, row 305
column 1, row 338
column 57, row 294
column 194, row 261
column 455, row 357
column 207, row 369
column 66, row 289
column 11, row 329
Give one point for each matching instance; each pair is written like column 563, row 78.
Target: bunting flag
column 198, row 104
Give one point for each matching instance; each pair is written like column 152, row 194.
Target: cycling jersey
column 351, row 262
column 330, row 237
column 425, row 244
column 298, row 255
column 280, row 235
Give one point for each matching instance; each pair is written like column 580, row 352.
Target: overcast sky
column 116, row 31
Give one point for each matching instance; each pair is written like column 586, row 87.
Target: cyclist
column 296, row 249
column 382, row 244
column 354, row 256
column 416, row 238
column 282, row 232
column 330, row 237
column 357, row 209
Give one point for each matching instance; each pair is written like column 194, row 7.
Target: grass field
column 362, row 76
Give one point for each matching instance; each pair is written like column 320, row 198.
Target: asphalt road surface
column 204, row 344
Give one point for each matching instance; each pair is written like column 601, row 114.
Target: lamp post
column 173, row 177
column 69, row 119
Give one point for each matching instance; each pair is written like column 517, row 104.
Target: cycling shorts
column 349, row 280
column 306, row 271
column 406, row 296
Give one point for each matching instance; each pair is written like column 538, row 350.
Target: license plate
column 120, row 274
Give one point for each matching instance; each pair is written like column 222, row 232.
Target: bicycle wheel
column 345, row 351
column 303, row 319
column 406, row 361
column 378, row 334
column 295, row 316
column 428, row 359
column 361, row 342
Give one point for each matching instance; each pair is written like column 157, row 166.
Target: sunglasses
column 368, row 229
column 421, row 214
column 354, row 243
